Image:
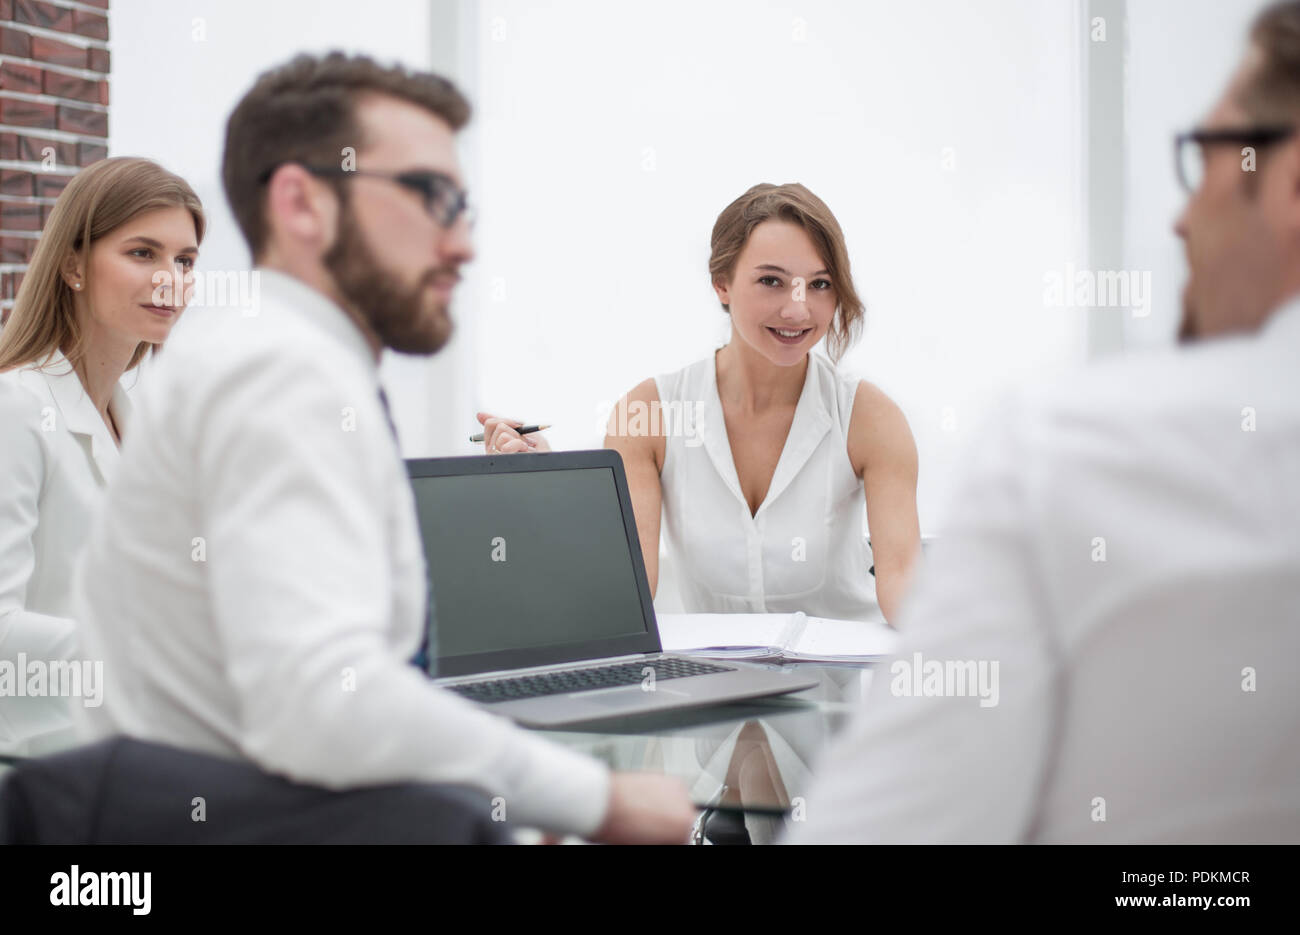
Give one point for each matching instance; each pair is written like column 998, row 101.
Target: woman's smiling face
column 125, row 268
column 781, row 297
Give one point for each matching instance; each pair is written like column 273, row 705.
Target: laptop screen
column 527, row 567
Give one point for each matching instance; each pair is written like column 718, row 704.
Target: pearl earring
column 76, row 285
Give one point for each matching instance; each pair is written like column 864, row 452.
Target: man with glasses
column 257, row 584
column 1122, row 560
column 1234, row 169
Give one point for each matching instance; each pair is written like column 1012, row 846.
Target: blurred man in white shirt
column 1105, row 643
column 256, row 584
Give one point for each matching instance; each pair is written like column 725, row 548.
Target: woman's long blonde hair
column 98, row 200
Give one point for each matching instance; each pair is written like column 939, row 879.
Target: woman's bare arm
column 883, row 452
column 640, row 442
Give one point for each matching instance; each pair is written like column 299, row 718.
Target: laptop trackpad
column 625, row 695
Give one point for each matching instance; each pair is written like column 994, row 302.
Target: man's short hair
column 306, row 111
column 1272, row 94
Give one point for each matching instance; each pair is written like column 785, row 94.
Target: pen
column 522, row 430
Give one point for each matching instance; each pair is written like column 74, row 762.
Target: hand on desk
column 646, row 808
column 500, row 437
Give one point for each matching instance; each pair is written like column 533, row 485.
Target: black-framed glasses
column 443, row 198
column 1189, row 148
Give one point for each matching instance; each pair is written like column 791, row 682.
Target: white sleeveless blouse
column 805, row 549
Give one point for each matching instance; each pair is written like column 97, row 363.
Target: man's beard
column 1187, row 327
column 397, row 315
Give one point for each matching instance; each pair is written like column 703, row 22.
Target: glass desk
column 43, row 723
column 748, row 765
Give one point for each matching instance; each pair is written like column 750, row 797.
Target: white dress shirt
column 1126, row 546
column 257, row 584
column 56, row 457
column 805, row 549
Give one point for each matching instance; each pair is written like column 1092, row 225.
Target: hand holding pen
column 509, row 436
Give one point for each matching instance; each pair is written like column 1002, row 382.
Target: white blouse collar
column 812, row 420
column 79, row 414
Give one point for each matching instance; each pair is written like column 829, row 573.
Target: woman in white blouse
column 762, row 457
column 97, row 296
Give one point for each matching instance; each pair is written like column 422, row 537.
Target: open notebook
column 780, row 637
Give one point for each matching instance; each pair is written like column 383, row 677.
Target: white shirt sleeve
column 22, row 470
column 303, row 594
column 23, row 460
column 929, row 769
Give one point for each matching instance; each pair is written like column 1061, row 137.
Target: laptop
column 543, row 611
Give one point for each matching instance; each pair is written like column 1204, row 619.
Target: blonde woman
column 773, row 458
column 93, row 302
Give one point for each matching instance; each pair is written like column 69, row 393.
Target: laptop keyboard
column 578, row 680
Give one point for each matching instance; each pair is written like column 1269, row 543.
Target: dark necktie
column 425, row 656
column 388, row 414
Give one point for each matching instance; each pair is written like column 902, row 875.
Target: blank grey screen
column 527, row 559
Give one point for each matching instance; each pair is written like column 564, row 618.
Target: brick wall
column 53, row 116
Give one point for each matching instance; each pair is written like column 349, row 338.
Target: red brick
column 92, row 25
column 45, row 215
column 79, row 120
column 71, row 87
column 49, row 185
column 55, row 52
column 26, row 113
column 17, row 182
column 8, row 145
column 32, row 149
column 90, row 152
column 46, row 15
column 20, row 216
column 16, row 249
column 16, row 43
column 102, row 4
column 24, row 78
column 6, row 10
column 99, row 59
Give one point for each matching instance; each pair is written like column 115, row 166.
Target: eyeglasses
column 443, row 198
column 1189, row 148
